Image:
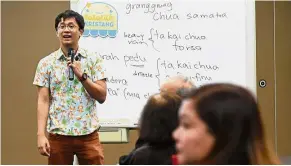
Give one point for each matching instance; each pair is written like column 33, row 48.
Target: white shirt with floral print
column 71, row 110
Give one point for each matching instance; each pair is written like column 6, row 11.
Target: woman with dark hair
column 221, row 124
column 175, row 84
column 158, row 121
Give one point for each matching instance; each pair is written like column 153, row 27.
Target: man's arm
column 42, row 115
column 42, row 109
column 97, row 89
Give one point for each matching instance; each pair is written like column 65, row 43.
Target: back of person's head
column 159, row 118
column 221, row 124
column 177, row 84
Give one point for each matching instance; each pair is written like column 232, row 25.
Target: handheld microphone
column 78, row 57
column 72, row 55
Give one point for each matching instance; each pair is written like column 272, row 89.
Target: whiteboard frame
column 251, row 46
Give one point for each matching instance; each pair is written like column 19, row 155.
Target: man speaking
column 69, row 82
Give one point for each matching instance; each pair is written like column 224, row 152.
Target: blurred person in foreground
column 221, row 124
column 176, row 84
column 158, row 121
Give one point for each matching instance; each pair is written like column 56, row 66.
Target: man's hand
column 97, row 89
column 43, row 145
column 76, row 66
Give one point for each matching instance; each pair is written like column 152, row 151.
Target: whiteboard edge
column 251, row 46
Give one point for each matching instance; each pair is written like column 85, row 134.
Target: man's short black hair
column 70, row 14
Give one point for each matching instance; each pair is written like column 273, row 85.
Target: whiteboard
column 145, row 42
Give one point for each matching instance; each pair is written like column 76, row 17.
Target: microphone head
column 71, row 54
column 70, row 51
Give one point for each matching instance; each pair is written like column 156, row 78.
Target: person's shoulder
column 141, row 155
column 143, row 150
column 85, row 52
column 92, row 56
column 148, row 155
column 49, row 58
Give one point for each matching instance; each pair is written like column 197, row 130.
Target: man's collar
column 81, row 51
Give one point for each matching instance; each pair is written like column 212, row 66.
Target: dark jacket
column 125, row 159
column 153, row 155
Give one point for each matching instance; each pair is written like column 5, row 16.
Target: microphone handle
column 71, row 74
